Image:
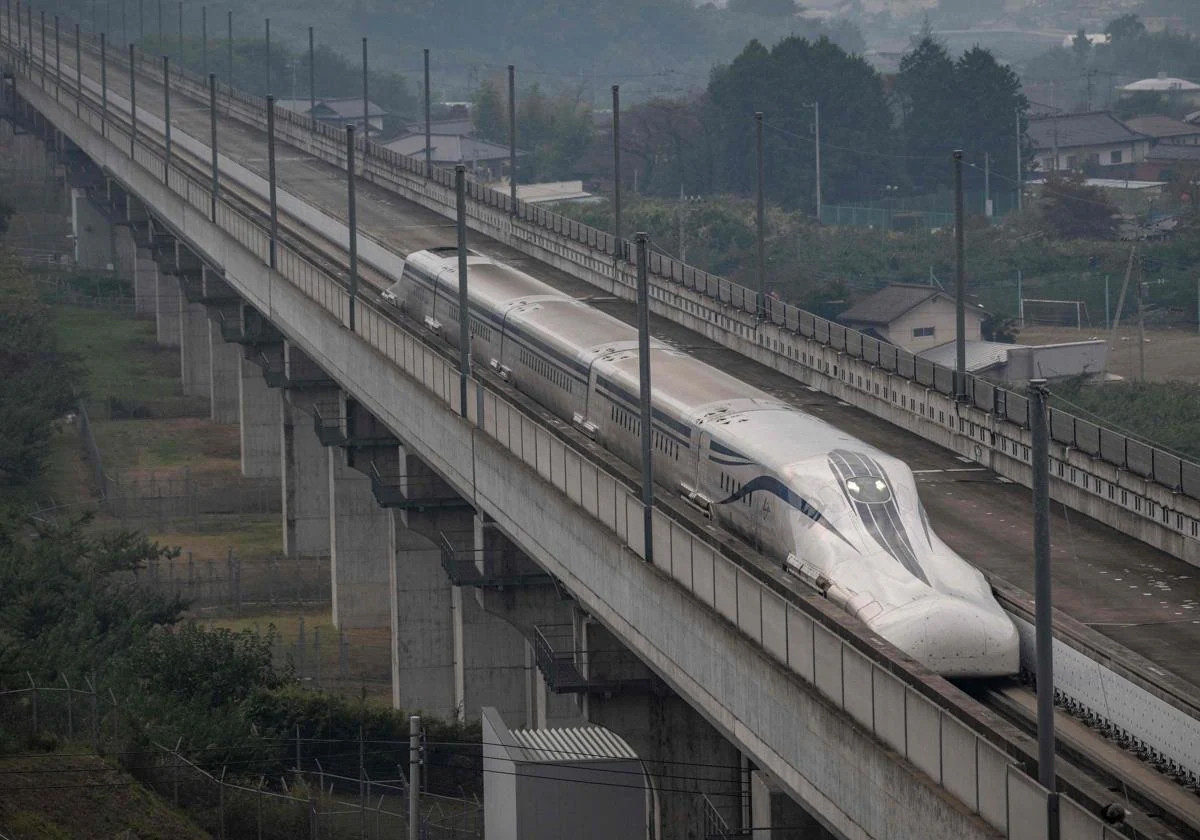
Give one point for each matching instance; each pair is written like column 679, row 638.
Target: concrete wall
column 225, row 379
column 195, row 357
column 360, row 542
column 304, row 476
column 260, row 415
column 94, row 236
column 938, row 313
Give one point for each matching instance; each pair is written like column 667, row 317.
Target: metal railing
column 488, row 568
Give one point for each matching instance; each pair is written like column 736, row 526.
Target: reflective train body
column 838, row 513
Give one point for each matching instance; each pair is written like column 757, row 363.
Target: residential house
column 1071, row 141
column 912, row 317
column 1163, row 129
column 339, row 111
column 486, row 161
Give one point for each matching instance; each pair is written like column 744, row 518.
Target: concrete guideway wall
column 1147, row 493
column 751, row 657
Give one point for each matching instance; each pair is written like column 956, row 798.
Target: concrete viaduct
column 503, row 548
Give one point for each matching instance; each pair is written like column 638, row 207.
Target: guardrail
column 934, row 728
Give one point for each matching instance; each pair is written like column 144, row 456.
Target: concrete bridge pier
column 303, row 462
column 94, row 233
column 224, row 358
column 145, row 270
column 260, row 416
column 161, row 246
column 682, row 752
column 776, row 816
column 516, row 592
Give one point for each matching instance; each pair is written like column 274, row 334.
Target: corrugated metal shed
column 577, row 743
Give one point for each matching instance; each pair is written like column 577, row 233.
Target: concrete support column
column 361, row 537
column 92, row 231
column 672, row 740
column 145, row 282
column 422, row 623
column 776, row 816
column 194, row 364
column 125, row 256
column 167, row 303
column 304, row 475
column 260, row 414
column 225, row 379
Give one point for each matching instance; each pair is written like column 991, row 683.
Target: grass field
column 88, row 797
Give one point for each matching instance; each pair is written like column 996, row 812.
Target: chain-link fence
column 237, row 582
column 162, row 499
column 303, row 799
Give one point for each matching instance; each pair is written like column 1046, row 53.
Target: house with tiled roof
column 1072, row 141
column 912, row 316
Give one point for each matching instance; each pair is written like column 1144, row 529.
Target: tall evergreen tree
column 925, row 88
column 992, row 106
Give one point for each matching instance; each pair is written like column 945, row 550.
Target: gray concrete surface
column 225, row 367
column 166, row 310
column 195, row 360
column 304, row 474
column 259, row 419
column 360, row 547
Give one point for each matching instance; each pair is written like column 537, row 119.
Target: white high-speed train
column 841, row 515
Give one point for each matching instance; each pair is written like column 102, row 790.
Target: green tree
column 926, row 91
column 489, row 114
column 992, row 108
column 784, row 83
column 1127, row 27
column 1076, row 211
column 38, row 381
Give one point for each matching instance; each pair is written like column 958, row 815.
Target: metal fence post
column 132, row 105
column 274, row 208
column 70, row 709
column 166, row 65
column 353, row 223
column 33, row 685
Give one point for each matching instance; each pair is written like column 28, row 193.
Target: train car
column 842, row 516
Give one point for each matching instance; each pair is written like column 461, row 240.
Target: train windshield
column 868, row 489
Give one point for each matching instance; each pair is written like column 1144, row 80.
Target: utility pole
column 312, row 75
column 464, row 319
column 204, row 41
column 132, row 103
column 647, row 425
column 1107, row 320
column 761, row 217
column 429, row 127
column 987, row 184
column 960, row 284
column 616, row 129
column 1141, row 293
column 1043, row 595
column 1020, row 299
column 512, row 137
column 414, row 777
column 179, row 60
column 268, row 43
column 229, row 48
column 366, row 108
column 682, row 251
column 162, row 41
column 274, row 252
column 166, row 119
column 1116, row 321
column 103, row 83
column 353, row 214
column 817, row 127
column 1020, row 168
column 212, row 130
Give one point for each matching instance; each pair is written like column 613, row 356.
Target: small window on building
column 923, row 332
column 1116, row 157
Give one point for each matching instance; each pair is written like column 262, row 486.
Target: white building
column 912, row 317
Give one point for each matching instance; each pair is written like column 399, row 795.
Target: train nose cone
column 953, row 637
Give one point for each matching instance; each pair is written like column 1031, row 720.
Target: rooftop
column 1097, row 128
column 450, row 148
column 889, row 303
column 1160, row 84
column 1170, row 151
column 981, row 355
column 576, row 743
column 1159, row 126
column 344, row 107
